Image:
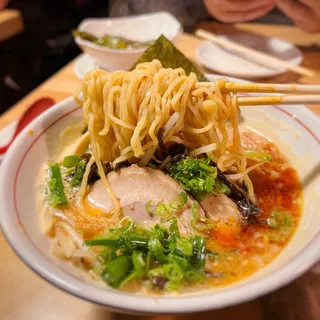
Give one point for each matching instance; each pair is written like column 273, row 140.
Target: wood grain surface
column 24, row 295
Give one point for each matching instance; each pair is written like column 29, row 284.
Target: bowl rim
column 80, row 42
column 293, row 268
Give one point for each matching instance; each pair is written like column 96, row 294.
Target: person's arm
column 305, row 13
column 238, row 10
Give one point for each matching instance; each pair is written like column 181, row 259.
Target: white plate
column 232, row 63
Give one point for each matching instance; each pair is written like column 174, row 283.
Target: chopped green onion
column 199, row 223
column 132, row 276
column 138, row 261
column 199, row 251
column 180, row 202
column 202, row 224
column 115, row 271
column 173, row 228
column 197, row 176
column 184, row 247
column 172, row 271
column 194, row 276
column 55, row 187
column 258, row 156
column 166, row 210
column 157, row 249
column 182, row 262
column 220, row 188
column 78, row 175
column 156, row 272
column 71, row 161
column 279, row 219
column 157, row 255
column 163, row 211
column 129, row 241
column 173, row 285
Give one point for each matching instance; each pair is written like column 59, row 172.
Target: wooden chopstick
column 255, row 55
column 264, row 87
column 271, row 100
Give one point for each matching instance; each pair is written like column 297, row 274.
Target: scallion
column 56, row 195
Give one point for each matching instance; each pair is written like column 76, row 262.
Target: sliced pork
column 135, row 187
column 221, row 208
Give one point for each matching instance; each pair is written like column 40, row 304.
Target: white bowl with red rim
column 145, row 27
column 295, row 130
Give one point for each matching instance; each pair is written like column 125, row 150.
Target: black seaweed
column 172, row 149
column 170, row 57
column 240, row 198
column 237, row 194
column 107, row 167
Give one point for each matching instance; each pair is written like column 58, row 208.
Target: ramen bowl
column 294, row 129
column 142, row 28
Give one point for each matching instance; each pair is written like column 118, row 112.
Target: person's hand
column 238, row 10
column 305, row 13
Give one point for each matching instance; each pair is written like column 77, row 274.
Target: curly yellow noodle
column 126, row 110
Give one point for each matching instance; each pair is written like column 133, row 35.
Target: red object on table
column 31, row 113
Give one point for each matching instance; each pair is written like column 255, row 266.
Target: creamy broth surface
column 236, row 249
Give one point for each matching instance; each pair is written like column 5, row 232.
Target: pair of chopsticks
column 255, row 55
column 308, row 94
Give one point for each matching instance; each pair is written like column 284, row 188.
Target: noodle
column 126, row 110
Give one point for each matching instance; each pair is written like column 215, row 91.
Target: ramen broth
column 233, row 250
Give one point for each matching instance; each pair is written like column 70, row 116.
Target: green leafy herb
column 75, row 168
column 169, row 56
column 56, row 195
column 258, row 156
column 198, row 177
column 71, row 161
column 158, row 255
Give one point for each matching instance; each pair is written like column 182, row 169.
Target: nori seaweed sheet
column 170, row 57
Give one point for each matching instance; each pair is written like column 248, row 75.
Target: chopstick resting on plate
column 308, row 94
column 255, row 55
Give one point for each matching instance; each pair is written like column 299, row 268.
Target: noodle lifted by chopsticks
column 126, row 109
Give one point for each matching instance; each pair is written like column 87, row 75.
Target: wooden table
column 23, row 295
column 11, row 23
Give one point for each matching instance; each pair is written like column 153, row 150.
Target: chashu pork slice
column 221, row 208
column 135, row 187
